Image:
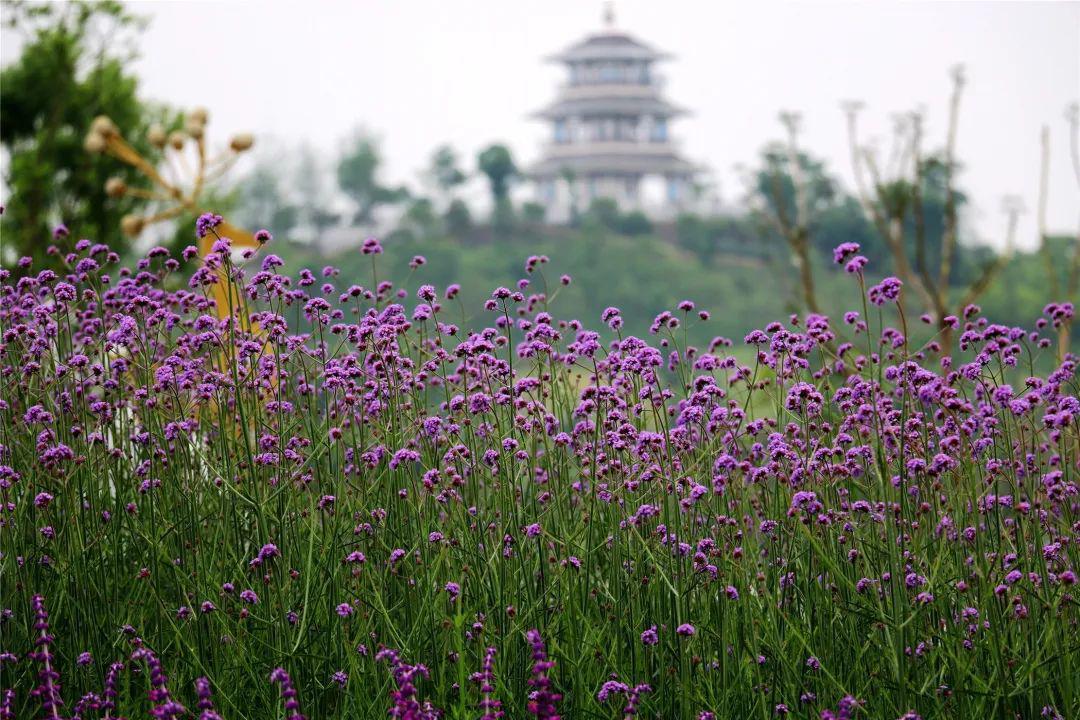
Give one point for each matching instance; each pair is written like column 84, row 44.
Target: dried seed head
column 132, row 225
column 199, row 115
column 177, row 139
column 195, row 127
column 115, row 187
column 94, row 143
column 242, row 142
column 157, row 136
column 105, row 127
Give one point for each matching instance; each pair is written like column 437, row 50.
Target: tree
column 261, row 203
column 774, row 184
column 789, row 191
column 899, row 208
column 444, row 171
column 457, row 218
column 497, row 164
column 68, row 73
column 603, row 212
column 692, row 234
column 314, row 207
column 533, row 213
column 357, row 175
column 420, row 217
column 634, row 222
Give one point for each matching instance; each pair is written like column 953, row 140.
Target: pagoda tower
column 609, row 132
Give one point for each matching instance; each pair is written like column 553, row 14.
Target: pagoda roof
column 618, row 105
column 608, row 46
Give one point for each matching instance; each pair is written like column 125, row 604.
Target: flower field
column 254, row 493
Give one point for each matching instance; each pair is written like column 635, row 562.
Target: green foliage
column 834, row 216
column 632, row 273
column 634, row 222
column 604, row 213
column 746, row 283
column 68, row 72
column 774, row 187
column 1022, row 290
column 706, row 238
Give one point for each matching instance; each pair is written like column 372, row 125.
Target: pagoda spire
column 609, row 14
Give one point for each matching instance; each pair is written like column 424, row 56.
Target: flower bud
column 115, row 187
column 177, row 139
column 157, row 137
column 103, row 126
column 195, row 128
column 132, row 225
column 94, row 143
column 242, row 142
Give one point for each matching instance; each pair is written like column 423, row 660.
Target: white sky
column 423, row 72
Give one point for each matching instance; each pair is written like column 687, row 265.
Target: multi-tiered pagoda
column 609, row 132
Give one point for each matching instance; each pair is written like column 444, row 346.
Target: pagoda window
column 562, row 135
column 626, row 128
column 674, row 189
column 659, row 130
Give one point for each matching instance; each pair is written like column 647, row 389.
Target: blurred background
column 655, row 151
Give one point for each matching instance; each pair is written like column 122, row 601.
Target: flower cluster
column 335, row 474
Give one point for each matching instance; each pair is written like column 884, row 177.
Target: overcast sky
column 423, row 72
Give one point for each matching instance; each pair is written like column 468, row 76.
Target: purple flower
column 888, row 290
column 48, row 689
column 856, row 265
column 685, row 630
column 205, row 701
column 206, row 223
column 453, row 590
column 490, row 704
column 542, row 699
column 843, row 251
column 288, row 693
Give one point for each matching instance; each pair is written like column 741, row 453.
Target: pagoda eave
column 605, row 105
column 553, row 167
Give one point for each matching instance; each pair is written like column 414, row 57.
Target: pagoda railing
column 611, row 147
